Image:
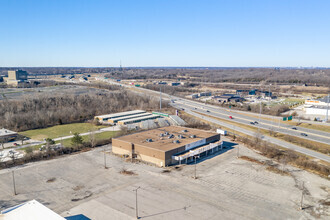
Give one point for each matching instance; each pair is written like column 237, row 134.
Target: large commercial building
column 16, row 77
column 167, row 145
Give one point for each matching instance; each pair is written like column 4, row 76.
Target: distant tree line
column 46, row 110
column 319, row 76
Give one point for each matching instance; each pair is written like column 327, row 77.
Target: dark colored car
column 303, row 134
column 294, row 128
column 256, row 122
column 252, row 123
column 207, row 111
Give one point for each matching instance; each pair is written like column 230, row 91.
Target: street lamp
column 136, row 203
column 195, row 177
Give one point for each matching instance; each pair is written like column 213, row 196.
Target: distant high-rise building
column 15, row 77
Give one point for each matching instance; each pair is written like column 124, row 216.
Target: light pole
column 105, row 159
column 14, row 182
column 302, row 195
column 195, row 177
column 136, row 203
column 238, row 151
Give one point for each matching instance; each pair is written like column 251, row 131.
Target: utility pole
column 14, row 182
column 259, row 117
column 136, row 202
column 326, row 118
column 302, row 195
column 160, row 100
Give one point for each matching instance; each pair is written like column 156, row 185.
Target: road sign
column 284, row 118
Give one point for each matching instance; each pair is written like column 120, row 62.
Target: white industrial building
column 316, row 110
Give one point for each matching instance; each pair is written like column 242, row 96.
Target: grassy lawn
column 100, row 136
column 67, row 142
column 59, row 131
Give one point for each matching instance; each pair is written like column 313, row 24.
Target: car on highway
column 231, row 117
column 252, row 123
column 256, row 122
column 304, row 134
column 294, row 128
column 207, row 111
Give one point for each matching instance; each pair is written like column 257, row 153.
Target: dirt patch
column 178, row 168
column 79, row 187
column 275, row 169
column 51, row 180
column 85, row 196
column 269, row 165
column 127, row 172
column 166, row 171
column 251, row 159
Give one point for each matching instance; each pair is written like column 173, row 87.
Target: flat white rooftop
column 31, row 210
column 119, row 114
column 6, row 132
column 129, row 117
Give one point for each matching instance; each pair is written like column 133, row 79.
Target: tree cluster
column 45, row 110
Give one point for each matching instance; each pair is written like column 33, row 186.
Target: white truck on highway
column 223, row 132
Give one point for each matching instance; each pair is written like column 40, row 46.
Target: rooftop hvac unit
column 161, row 135
column 185, row 130
column 176, row 141
column 171, row 136
column 149, row 140
column 166, row 133
column 180, row 136
column 193, row 136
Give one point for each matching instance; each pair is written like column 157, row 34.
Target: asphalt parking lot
column 226, row 188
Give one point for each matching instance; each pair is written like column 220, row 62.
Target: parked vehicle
column 304, row 134
column 231, row 117
column 252, row 123
column 294, row 128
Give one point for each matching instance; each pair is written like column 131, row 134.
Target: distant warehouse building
column 317, row 110
column 103, row 118
column 7, row 135
column 168, row 145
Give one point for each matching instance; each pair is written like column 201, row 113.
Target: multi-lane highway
column 196, row 108
column 313, row 135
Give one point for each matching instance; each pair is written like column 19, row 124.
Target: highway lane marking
column 249, row 120
column 275, row 141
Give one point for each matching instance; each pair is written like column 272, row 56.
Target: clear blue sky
column 164, row 33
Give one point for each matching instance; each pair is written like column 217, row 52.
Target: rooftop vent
column 161, row 135
column 171, row 136
column 166, row 133
column 185, row 130
column 193, row 136
column 149, row 140
column 176, row 141
column 180, row 136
